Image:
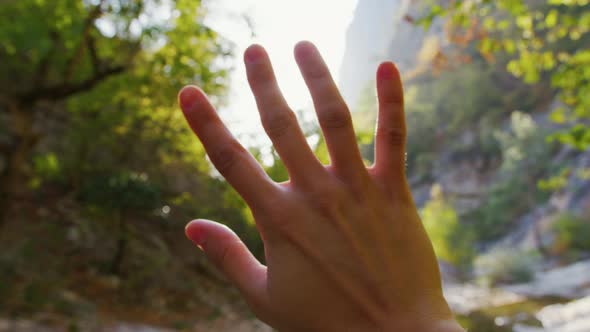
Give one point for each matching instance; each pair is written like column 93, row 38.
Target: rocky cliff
column 383, row 30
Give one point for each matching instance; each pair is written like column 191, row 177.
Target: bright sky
column 278, row 25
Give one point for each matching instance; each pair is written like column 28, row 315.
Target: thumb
column 230, row 255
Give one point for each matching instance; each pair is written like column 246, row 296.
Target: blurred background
column 99, row 173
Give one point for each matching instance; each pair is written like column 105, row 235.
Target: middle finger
column 331, row 110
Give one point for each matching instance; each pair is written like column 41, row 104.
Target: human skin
column 345, row 248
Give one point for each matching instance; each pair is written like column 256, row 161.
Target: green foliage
column 46, row 168
column 117, row 74
column 502, row 266
column 572, row 234
column 541, row 38
column 47, row 165
column 451, row 241
column 555, row 182
column 481, row 322
column 277, row 171
column 29, row 277
column 97, row 81
column 123, row 191
column 439, row 118
column 520, row 146
column 515, row 192
column 108, row 77
column 578, row 137
column 499, row 212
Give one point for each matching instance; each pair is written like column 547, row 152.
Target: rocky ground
column 229, row 321
column 569, row 286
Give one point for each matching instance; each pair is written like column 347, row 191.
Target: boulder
column 571, row 282
column 570, row 317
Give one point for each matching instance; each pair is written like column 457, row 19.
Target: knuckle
column 277, row 223
column 206, row 117
column 278, row 124
column 395, row 136
column 228, row 250
column 261, row 76
column 226, row 157
column 335, row 116
column 327, row 204
column 259, row 72
column 318, row 72
column 392, row 101
column 329, row 195
column 282, row 228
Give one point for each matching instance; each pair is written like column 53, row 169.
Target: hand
column 345, row 247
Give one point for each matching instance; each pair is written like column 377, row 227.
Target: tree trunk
column 13, row 180
column 122, row 241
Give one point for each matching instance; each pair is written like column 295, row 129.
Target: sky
column 277, row 25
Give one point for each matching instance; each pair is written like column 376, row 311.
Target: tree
column 543, row 40
column 101, row 67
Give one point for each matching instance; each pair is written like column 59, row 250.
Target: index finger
column 230, row 158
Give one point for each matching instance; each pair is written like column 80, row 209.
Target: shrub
column 525, row 159
column 121, row 191
column 499, row 212
column 451, row 241
column 572, row 234
column 506, row 265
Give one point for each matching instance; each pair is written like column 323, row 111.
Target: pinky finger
column 390, row 140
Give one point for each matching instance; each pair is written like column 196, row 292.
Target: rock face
column 534, row 229
column 466, row 298
column 573, row 316
column 367, row 43
column 383, row 30
column 413, row 46
column 234, row 324
column 571, row 282
column 569, row 317
column 21, row 325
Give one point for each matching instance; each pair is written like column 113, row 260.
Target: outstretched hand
column 345, row 247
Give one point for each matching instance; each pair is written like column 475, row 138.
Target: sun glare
column 277, row 25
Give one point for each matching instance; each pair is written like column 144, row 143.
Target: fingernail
column 304, row 50
column 254, row 54
column 387, row 71
column 188, row 97
column 194, row 234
